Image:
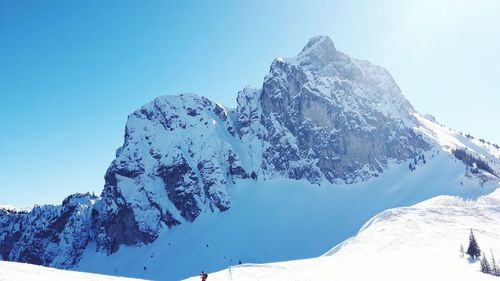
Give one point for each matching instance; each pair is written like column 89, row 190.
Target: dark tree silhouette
column 474, row 163
column 473, row 251
column 494, row 268
column 485, row 265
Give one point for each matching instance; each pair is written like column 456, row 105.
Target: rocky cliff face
column 327, row 116
column 180, row 155
column 320, row 116
column 49, row 235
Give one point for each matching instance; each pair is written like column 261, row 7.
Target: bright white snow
column 13, row 271
column 421, row 242
column 448, row 140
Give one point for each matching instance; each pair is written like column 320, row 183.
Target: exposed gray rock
column 48, row 235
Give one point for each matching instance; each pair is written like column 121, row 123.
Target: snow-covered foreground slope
column 420, row 242
column 13, row 271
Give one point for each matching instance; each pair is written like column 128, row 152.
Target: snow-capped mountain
column 421, row 242
column 326, row 142
column 48, row 235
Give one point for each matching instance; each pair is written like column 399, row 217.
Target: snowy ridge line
column 449, row 140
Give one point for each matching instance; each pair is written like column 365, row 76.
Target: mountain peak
column 319, row 48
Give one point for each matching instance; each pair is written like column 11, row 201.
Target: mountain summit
column 320, row 121
column 319, row 49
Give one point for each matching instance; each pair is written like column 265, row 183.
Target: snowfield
column 13, row 271
column 420, row 242
column 287, row 219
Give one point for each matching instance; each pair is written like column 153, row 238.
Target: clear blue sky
column 71, row 71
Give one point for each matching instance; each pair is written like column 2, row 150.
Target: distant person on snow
column 203, row 276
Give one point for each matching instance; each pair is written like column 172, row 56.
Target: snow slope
column 420, row 242
column 449, row 139
column 13, row 271
column 273, row 220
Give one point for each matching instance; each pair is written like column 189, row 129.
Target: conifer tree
column 462, row 251
column 473, row 250
column 485, row 265
column 494, row 268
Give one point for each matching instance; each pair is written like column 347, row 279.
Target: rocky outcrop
column 48, row 235
column 178, row 158
column 322, row 115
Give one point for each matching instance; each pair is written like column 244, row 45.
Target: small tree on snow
column 485, row 265
column 462, row 251
column 494, row 268
column 473, row 250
